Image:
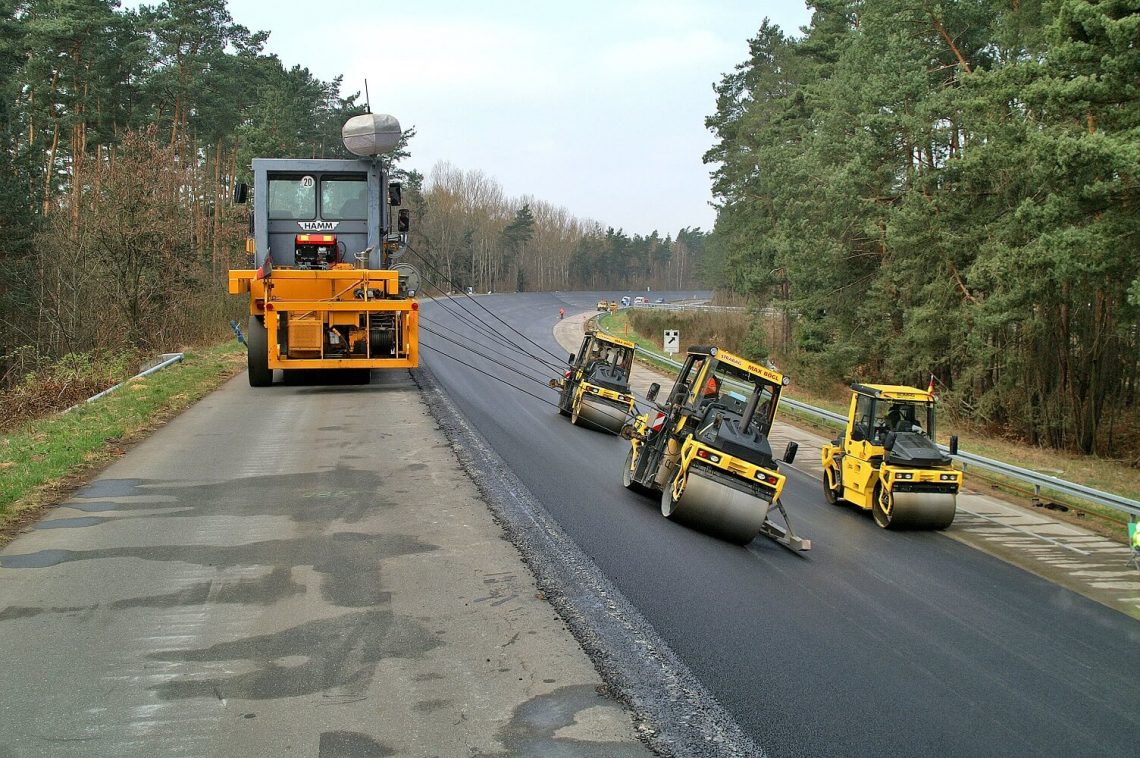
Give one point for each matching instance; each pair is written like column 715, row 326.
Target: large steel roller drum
column 716, row 509
column 918, row 510
column 600, row 415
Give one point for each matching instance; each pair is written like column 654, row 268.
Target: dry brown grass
column 723, row 329
column 55, row 386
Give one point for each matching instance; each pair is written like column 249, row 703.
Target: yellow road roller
column 595, row 390
column 887, row 461
column 706, row 449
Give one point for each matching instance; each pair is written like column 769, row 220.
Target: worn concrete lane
column 289, row 571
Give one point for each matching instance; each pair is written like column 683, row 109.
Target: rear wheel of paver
column 257, row 353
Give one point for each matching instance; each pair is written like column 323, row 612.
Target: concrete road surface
column 301, row 570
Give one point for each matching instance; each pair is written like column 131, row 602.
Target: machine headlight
column 949, row 477
column 906, row 475
column 710, row 457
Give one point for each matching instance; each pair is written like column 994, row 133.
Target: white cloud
column 676, row 14
column 462, row 56
column 659, row 54
column 597, row 106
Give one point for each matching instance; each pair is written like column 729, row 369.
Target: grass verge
column 41, row 461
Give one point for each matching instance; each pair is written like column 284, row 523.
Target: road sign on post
column 672, row 341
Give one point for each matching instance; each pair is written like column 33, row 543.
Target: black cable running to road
column 507, row 366
column 492, row 332
column 478, row 327
column 488, row 374
column 458, row 335
column 496, row 334
column 512, row 386
column 629, row 414
column 485, row 329
column 560, row 370
column 450, row 281
column 489, row 331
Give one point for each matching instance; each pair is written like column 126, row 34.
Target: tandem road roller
column 887, row 462
column 324, row 292
column 706, row 449
column 595, row 390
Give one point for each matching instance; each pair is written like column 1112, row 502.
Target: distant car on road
column 625, row 302
column 603, row 305
column 659, row 300
column 639, row 300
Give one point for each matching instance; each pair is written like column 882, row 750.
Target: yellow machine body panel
column 595, row 390
column 697, row 452
column 305, row 304
column 324, row 289
column 706, row 449
column 338, row 283
column 586, row 389
column 609, row 339
column 864, row 466
column 306, row 336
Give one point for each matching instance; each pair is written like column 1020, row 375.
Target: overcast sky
column 594, row 105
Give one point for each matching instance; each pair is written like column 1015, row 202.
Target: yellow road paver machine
column 887, row 461
column 325, row 291
column 595, row 390
column 706, row 449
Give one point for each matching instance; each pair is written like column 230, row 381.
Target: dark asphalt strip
column 677, row 715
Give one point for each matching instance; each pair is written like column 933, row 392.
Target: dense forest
column 921, row 186
column 947, row 187
column 122, row 134
column 467, row 232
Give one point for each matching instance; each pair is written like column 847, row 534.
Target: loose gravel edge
column 675, row 714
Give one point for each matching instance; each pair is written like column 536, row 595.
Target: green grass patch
column 618, row 324
column 725, row 329
column 40, row 458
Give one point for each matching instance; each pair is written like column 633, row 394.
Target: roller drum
column 922, row 510
column 598, row 414
column 716, row 508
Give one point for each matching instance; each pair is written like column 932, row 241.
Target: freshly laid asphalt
column 873, row 643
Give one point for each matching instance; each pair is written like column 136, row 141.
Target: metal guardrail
column 687, row 307
column 1046, row 482
column 1037, row 480
column 167, row 359
column 683, row 307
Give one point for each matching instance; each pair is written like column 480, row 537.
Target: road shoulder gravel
column 676, row 713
